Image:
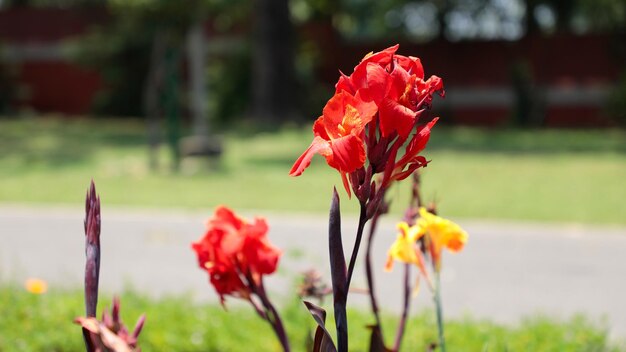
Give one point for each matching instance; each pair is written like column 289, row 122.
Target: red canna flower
column 235, row 253
column 338, row 134
column 396, row 84
column 370, row 117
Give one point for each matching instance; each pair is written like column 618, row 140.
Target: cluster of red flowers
column 236, row 253
column 371, row 115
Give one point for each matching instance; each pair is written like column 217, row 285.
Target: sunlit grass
column 545, row 175
column 44, row 323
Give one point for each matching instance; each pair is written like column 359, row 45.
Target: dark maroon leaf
column 376, row 340
column 322, row 341
column 338, row 273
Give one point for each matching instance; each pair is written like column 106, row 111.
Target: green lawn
column 44, row 323
column 541, row 175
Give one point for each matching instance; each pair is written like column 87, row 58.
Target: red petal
column 411, row 64
column 348, row 153
column 346, row 184
column 337, row 114
column 263, row 257
column 377, row 83
column 428, row 88
column 225, row 215
column 344, row 83
column 399, row 81
column 367, row 110
column 257, row 229
column 417, row 143
column 382, row 57
column 318, row 146
column 334, row 109
column 319, row 129
column 395, row 117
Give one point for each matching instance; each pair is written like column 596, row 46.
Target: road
column 506, row 272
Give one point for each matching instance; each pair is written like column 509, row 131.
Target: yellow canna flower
column 405, row 247
column 440, row 233
column 36, row 286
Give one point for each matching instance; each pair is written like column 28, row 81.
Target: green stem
column 437, row 298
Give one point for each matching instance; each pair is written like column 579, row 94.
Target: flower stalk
column 439, row 310
column 92, row 254
column 92, row 250
column 357, row 243
column 406, row 296
column 273, row 318
column 110, row 334
column 369, row 274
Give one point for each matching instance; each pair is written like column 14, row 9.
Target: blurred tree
column 273, row 61
column 259, row 76
column 139, row 53
column 602, row 15
column 468, row 19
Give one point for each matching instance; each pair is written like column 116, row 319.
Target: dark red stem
column 357, row 243
column 273, row 317
column 369, row 274
column 405, row 308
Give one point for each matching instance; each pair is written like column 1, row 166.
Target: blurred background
column 179, row 101
column 505, row 62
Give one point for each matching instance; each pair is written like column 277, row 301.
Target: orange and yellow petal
column 442, row 232
column 404, row 248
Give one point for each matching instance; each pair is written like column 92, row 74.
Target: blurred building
column 33, row 61
column 539, row 80
column 559, row 81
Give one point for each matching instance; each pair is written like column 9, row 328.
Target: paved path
column 506, row 272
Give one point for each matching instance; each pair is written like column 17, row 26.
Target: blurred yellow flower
column 405, row 247
column 440, row 233
column 36, row 286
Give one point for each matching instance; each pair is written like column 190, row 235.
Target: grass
column 43, row 323
column 539, row 175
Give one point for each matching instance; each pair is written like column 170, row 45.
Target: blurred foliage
column 44, row 323
column 617, row 100
column 121, row 54
column 603, row 15
column 423, row 20
column 7, row 86
column 120, row 49
column 229, row 77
